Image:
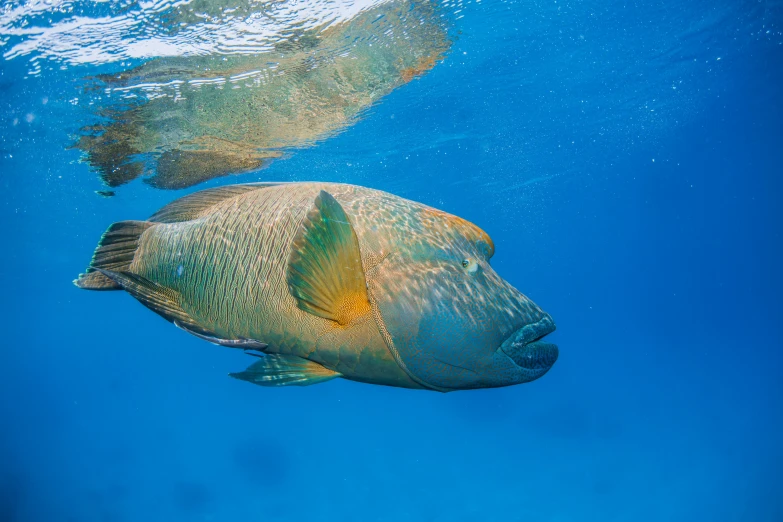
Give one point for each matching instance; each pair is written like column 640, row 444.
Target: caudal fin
column 114, row 253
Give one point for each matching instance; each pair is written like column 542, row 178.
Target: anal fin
column 244, row 344
column 285, row 370
column 160, row 299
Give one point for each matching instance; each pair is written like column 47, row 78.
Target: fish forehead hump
column 387, row 223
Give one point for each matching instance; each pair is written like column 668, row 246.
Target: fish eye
column 470, row 265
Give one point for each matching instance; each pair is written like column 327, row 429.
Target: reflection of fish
column 231, row 114
column 330, row 281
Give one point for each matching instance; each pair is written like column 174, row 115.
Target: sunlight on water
column 201, row 89
column 98, row 32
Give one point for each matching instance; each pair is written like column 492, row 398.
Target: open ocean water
column 625, row 156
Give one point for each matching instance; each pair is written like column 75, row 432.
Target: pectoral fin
column 325, row 272
column 285, row 370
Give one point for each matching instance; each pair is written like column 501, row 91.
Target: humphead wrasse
column 324, row 280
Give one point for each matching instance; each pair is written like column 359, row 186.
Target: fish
column 210, row 116
column 326, row 280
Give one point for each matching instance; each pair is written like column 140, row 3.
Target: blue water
column 627, row 160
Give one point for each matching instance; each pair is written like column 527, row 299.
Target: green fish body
column 330, row 280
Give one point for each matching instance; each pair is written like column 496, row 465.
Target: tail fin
column 115, row 253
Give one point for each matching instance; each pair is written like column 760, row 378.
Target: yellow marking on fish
column 351, row 307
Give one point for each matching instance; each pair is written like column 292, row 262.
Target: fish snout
column 525, row 347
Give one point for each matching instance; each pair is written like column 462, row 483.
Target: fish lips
column 525, row 347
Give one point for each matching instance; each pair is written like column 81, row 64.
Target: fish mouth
column 526, row 348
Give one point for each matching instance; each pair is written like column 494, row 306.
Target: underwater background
column 627, row 160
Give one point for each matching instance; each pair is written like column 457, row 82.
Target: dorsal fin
column 197, row 204
column 325, row 272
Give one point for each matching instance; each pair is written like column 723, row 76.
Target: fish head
column 453, row 322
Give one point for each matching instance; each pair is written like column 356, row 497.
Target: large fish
column 324, row 280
